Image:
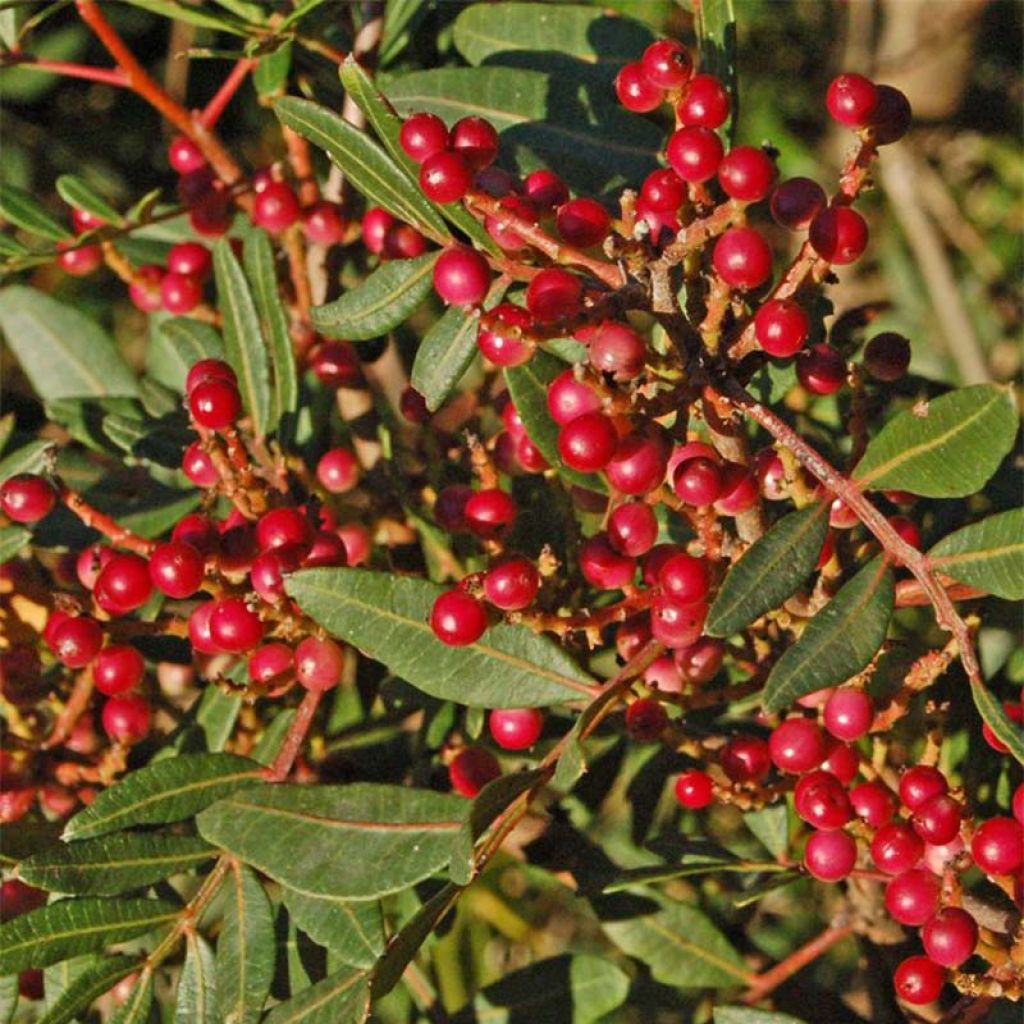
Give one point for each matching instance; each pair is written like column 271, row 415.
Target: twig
column 108, row 76
column 292, row 744
column 796, row 961
column 223, row 96
column 120, row 536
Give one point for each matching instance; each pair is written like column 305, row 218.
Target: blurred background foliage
column 945, row 269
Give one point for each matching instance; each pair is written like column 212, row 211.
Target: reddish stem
column 796, row 961
column 282, row 765
column 120, row 536
column 108, row 76
column 212, row 111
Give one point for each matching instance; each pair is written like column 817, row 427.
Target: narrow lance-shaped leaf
column 388, row 837
column 64, row 353
column 716, row 37
column 24, row 210
column 8, row 998
column 29, row 458
column 992, row 713
column 341, row 998
column 380, row 303
column 177, row 345
column 988, row 555
column 243, row 341
column 245, row 950
column 258, row 256
column 82, row 196
column 87, row 988
column 113, row 864
column 447, row 350
column 59, row 977
column 770, row 570
column 166, row 791
column 839, row 641
column 73, row 927
column 353, row 930
column 12, row 540
column 945, row 448
column 387, row 617
column 367, row 166
column 197, row 986
column 136, row 1008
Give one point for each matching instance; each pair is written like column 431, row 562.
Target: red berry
column 499, row 225
column 638, row 464
column 667, row 64
column 604, row 567
column 27, row 498
column 896, row 848
column 554, row 293
column 318, row 663
column 233, row 627
column 488, row 512
column 873, row 803
column 357, row 541
column 198, row 466
column 892, row 115
column 588, row 442
column 1017, row 803
column 839, row 235
column 821, row 369
column 684, row 578
column 376, row 222
column 17, row 898
column 848, row 713
column 632, row 529
column 582, row 222
column 176, row 569
column 796, row 202
column 663, row 675
column 212, row 215
column 851, row 100
column 745, row 759
column 336, row 365
column 84, row 220
column 80, row 261
column 184, row 155
column 450, row 507
column 124, row 583
column 272, row 665
column 215, row 404
column 908, row 531
column 646, row 719
column 545, row 189
column 284, row 528
column 458, row 619
column 697, row 481
column 663, row 190
column 126, row 718
column 998, row 846
column 911, row 897
column 323, row 224
column 180, row 293
column 887, row 356
column 504, row 335
column 267, row 573
column 797, row 746
column 841, row 760
column 618, row 350
column 781, row 327
column 739, row 490
column 694, row 153
column 423, row 135
column 676, row 625
column 197, row 530
column 462, row 276
column 746, row 173
column 636, row 92
column 705, row 103
column 117, row 668
column 694, row 790
column 821, row 800
column 830, row 856
column 919, row 784
column 328, row 549
column 338, row 471
column 191, row 259
column 512, row 585
column 515, row 728
column 937, row 821
column 949, row 936
column 742, row 258
column 15, row 803
column 569, row 398
column 476, row 141
column 471, row 770
column 276, row 208
column 144, row 291
column 403, row 242
column 919, row 980
column 199, row 634
column 699, row 662
column 445, row 177
column 209, row 369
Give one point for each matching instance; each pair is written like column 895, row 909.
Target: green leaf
column 571, row 989
column 200, row 16
column 386, row 617
column 353, row 930
column 273, row 734
column 177, row 344
column 341, row 998
column 58, row 978
column 64, row 353
column 218, row 711
column 245, row 950
column 541, row 119
column 271, row 73
column 367, row 166
column 197, row 986
column 258, row 256
column 838, row 642
column 528, row 385
column 33, row 457
column 447, row 350
column 771, row 827
column 745, row 1015
column 136, row 1008
column 387, row 124
column 988, row 555
column 681, row 947
column 399, row 18
column 380, row 303
column 82, row 196
column 770, row 570
column 584, row 33
column 113, row 864
column 24, row 210
column 387, row 837
column 243, row 342
column 991, row 711
column 72, row 927
column 946, row 448
column 8, row 998
column 12, row 540
column 166, row 791
column 715, row 25
column 86, row 988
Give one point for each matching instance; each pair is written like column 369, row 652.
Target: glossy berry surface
column 851, row 100
column 848, row 714
column 588, row 442
column 705, row 103
column 821, row 370
column 126, row 719
column 27, row 498
column 896, row 848
column 215, row 404
column 695, row 154
column 582, row 222
column 338, row 471
column 635, row 91
column 950, row 936
column 603, row 566
column 919, row 784
column 698, row 481
column 458, row 619
column 124, row 583
column 821, row 800
column 781, row 326
column 746, row 173
column 176, row 569
column 796, row 202
column 633, row 529
column 568, row 398
column 918, row 980
column 117, row 668
column 745, row 759
column 874, row 803
column 515, row 728
column 911, row 897
column 234, row 626
column 797, row 745
column 423, row 135
column 694, row 790
column 667, row 64
column 276, row 208
column 937, row 821
column 461, row 276
column 471, row 769
column 319, row 662
column 552, row 294
column 185, row 156
column 638, row 463
column 998, row 846
column 646, row 720
column 476, row 141
column 742, row 258
column 512, row 585
column 830, row 856
column 445, row 177
column 490, row 511
column 887, row 356
column 839, row 235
